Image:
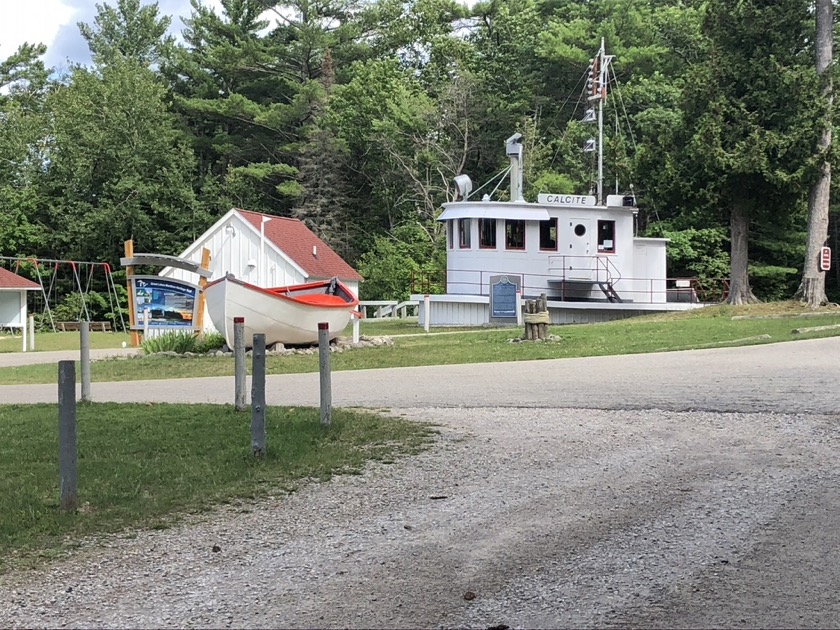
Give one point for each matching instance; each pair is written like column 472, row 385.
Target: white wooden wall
column 237, row 251
column 12, row 308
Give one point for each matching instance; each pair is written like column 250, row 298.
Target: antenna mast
column 599, row 77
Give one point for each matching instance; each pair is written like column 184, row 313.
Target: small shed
column 267, row 251
column 13, row 290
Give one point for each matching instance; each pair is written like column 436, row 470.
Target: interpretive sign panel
column 169, row 303
column 503, row 298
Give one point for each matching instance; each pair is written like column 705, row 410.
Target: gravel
column 550, row 517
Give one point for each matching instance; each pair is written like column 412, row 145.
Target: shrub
column 210, row 341
column 171, row 341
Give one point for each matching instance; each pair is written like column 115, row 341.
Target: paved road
column 793, row 377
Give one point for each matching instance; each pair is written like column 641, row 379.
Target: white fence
column 385, row 309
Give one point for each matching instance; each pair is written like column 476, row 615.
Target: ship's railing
column 560, row 287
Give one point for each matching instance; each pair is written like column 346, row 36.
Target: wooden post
column 84, row 358
column 532, row 309
column 239, row 363
column 543, row 308
column 32, row 332
column 129, row 273
column 258, row 396
column 536, row 319
column 356, row 320
column 67, row 478
column 202, row 282
column 324, row 368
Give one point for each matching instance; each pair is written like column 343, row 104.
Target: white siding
column 451, row 310
column 235, row 246
column 12, row 308
column 237, row 251
column 469, row 270
column 455, row 314
column 649, row 259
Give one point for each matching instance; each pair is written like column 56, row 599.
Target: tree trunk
column 812, row 288
column 739, row 281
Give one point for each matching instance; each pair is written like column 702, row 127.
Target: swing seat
column 75, row 326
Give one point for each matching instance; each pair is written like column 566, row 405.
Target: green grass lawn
column 48, row 341
column 702, row 328
column 140, row 464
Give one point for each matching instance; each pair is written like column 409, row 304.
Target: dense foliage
column 355, row 115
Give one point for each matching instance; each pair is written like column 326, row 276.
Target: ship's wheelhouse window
column 487, row 232
column 548, row 234
column 606, row 237
column 464, row 233
column 514, row 234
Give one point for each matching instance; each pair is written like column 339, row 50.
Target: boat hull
column 278, row 313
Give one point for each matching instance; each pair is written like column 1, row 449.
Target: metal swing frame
column 113, row 298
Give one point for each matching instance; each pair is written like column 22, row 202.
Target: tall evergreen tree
column 119, row 166
column 23, row 149
column 127, row 31
column 242, row 106
column 323, row 175
column 747, row 140
column 812, row 288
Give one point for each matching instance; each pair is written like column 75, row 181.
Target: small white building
column 267, row 251
column 13, row 289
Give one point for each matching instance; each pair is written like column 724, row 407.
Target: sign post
column 129, row 273
column 202, row 282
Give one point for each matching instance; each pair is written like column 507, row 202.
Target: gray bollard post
column 67, row 497
column 84, row 358
column 239, row 363
column 324, row 368
column 258, row 396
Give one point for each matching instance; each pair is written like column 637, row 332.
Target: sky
column 53, row 22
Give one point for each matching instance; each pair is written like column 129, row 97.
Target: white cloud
column 34, row 22
column 54, row 23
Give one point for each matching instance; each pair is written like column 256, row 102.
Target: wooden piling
column 536, row 319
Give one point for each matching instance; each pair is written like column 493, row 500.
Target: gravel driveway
column 674, row 490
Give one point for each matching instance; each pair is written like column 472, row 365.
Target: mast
column 599, row 78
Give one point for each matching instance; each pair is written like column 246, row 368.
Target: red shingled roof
column 296, row 241
column 9, row 280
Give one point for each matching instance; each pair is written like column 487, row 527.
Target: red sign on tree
column 825, row 259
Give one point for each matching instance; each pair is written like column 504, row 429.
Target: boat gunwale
column 274, row 292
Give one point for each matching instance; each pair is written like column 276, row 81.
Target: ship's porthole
column 580, row 229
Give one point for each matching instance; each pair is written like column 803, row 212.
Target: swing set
column 47, row 271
